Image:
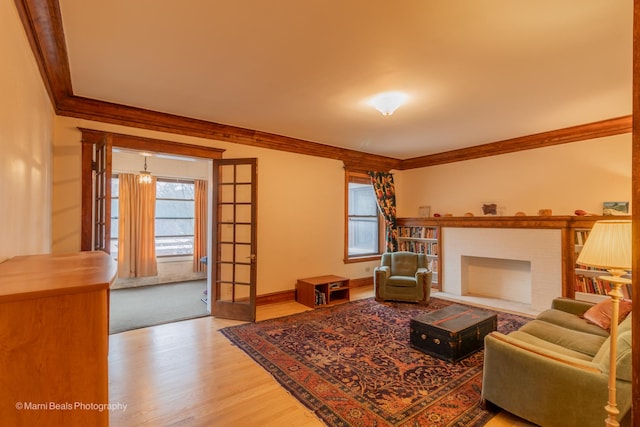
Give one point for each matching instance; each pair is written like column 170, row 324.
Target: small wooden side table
column 322, row 290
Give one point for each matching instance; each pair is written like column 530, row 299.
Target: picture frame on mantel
column 615, row 208
column 424, row 211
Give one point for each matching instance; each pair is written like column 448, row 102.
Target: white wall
column 26, row 127
column 300, row 206
column 563, row 178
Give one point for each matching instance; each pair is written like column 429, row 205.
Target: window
column 174, row 223
column 363, row 222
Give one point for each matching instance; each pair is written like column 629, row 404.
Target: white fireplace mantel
column 540, row 248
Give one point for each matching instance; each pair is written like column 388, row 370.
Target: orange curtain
column 136, row 230
column 200, row 225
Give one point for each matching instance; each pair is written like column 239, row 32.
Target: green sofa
column 403, row 276
column 553, row 371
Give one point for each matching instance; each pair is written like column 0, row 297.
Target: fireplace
column 512, row 264
column 506, row 279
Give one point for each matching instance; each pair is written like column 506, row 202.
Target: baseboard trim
column 275, row 297
column 290, row 295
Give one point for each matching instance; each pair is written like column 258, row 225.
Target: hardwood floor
column 188, row 374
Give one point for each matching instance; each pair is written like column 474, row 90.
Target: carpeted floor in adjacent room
column 135, row 308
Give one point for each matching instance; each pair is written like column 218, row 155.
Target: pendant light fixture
column 145, row 176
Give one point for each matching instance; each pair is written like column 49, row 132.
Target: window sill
column 366, row 258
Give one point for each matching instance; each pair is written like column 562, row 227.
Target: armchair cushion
column 404, row 264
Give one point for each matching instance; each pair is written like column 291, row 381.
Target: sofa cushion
column 571, row 321
column 600, row 314
column 623, row 359
column 581, row 342
column 538, row 342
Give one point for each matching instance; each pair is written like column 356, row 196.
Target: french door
column 96, row 194
column 234, row 254
column 233, row 237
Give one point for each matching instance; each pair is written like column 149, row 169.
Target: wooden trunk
column 451, row 333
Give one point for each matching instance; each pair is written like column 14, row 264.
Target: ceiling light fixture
column 145, row 176
column 388, row 102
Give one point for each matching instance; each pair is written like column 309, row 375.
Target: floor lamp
column 609, row 247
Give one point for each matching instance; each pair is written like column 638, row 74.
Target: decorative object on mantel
column 437, row 215
column 468, row 214
column 545, row 212
column 615, row 208
column 609, row 247
column 424, row 211
column 520, row 213
column 490, row 209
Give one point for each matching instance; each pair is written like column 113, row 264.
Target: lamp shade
column 608, row 246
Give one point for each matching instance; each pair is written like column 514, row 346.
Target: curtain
column 136, row 228
column 200, row 225
column 385, row 192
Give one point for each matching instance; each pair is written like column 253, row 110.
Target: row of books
column 321, row 297
column 419, row 247
column 418, row 232
column 593, row 285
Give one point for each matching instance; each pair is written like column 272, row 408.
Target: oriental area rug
column 352, row 365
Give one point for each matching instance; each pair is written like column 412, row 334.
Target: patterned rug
column 352, row 365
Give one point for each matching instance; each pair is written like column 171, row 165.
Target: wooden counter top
column 38, row 276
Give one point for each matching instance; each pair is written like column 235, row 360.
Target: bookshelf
column 424, row 239
column 568, row 226
column 322, row 290
column 588, row 286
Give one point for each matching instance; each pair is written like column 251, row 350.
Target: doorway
column 96, row 197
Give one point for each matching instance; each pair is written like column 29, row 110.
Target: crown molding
column 42, row 22
column 617, row 126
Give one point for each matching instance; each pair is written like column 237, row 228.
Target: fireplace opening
column 505, row 279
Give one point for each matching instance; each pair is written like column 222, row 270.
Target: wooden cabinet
column 322, row 290
column 54, row 334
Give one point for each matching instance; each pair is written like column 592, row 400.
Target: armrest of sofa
column 571, row 306
column 534, row 383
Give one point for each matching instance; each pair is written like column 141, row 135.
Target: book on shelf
column 419, row 232
column 593, row 285
column 321, row 298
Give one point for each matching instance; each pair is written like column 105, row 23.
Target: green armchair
column 403, row 276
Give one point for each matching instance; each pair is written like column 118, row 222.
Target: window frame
column 115, row 215
column 363, row 178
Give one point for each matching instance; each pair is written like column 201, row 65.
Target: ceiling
column 475, row 72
